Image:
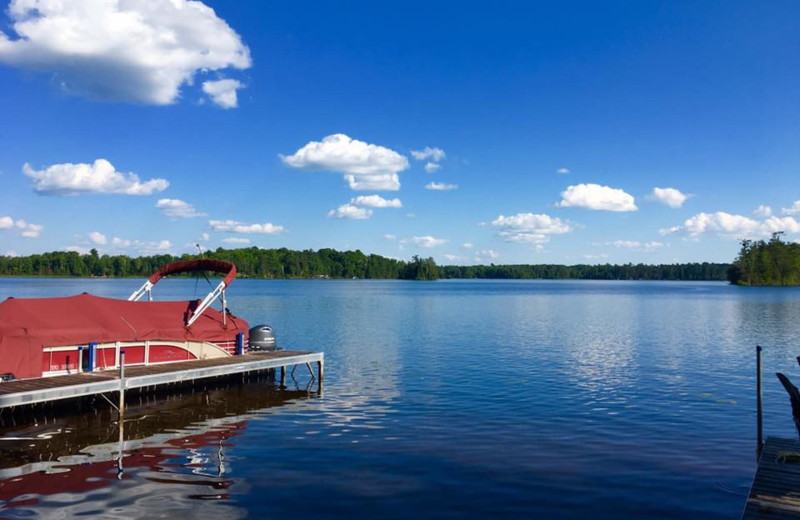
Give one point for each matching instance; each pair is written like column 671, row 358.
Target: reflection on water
column 499, row 399
column 169, row 452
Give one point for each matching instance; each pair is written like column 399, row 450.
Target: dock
column 25, row 392
column 775, row 493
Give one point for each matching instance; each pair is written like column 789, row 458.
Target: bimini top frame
column 188, row 266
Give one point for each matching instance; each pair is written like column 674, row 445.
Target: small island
column 771, row 263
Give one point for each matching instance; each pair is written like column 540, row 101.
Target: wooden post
column 759, row 405
column 121, row 385
column 283, row 376
column 320, row 370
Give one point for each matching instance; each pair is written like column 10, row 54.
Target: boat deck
column 775, row 493
column 31, row 391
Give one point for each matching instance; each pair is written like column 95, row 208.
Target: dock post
column 121, row 384
column 283, row 376
column 759, row 405
column 320, row 370
column 120, row 449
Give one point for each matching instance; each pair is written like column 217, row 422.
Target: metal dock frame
column 32, row 391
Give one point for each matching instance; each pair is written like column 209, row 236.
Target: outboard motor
column 262, row 338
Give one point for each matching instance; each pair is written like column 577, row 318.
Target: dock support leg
column 759, row 406
column 121, row 385
column 283, row 376
column 121, row 449
column 320, row 370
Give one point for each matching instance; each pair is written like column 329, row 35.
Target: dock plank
column 775, row 493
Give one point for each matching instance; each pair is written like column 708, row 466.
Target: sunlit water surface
column 449, row 399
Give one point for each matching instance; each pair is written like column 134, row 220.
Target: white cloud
column 530, row 228
column 486, row 254
column 163, row 245
column 793, row 210
column 25, row 229
column 389, row 236
column 721, row 222
column 653, row 245
column 376, row 201
column 67, row 179
column 205, row 237
column 349, row 211
column 634, row 244
column 432, row 167
column 385, row 182
column 763, row 211
column 467, row 245
column 28, row 230
column 424, row 241
column 145, row 248
column 11, row 253
column 365, row 166
column 234, row 226
column 427, row 241
column 670, row 230
column 734, row 226
column 669, row 196
column 441, row 186
column 140, row 51
column 236, row 241
column 630, row 244
column 594, row 196
column 223, row 92
column 562, row 171
column 435, row 154
column 455, row 258
column 776, row 224
column 95, row 237
column 177, row 208
column 358, row 207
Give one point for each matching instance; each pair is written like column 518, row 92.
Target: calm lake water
column 449, row 399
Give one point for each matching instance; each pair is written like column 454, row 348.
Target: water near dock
column 452, row 399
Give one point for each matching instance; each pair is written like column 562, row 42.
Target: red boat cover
column 200, row 264
column 28, row 324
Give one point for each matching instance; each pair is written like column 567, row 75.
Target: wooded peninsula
column 255, row 262
column 773, row 262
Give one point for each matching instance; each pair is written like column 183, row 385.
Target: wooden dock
column 31, row 391
column 775, row 493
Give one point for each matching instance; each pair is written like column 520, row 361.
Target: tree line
column 255, row 262
column 772, row 262
column 693, row 271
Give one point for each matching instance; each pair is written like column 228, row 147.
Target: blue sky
column 509, row 132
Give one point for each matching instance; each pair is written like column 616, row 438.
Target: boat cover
column 199, row 264
column 29, row 324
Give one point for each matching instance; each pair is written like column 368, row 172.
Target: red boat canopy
column 29, row 324
column 202, row 264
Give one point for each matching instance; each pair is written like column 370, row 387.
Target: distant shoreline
column 284, row 263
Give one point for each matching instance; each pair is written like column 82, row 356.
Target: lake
column 447, row 399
